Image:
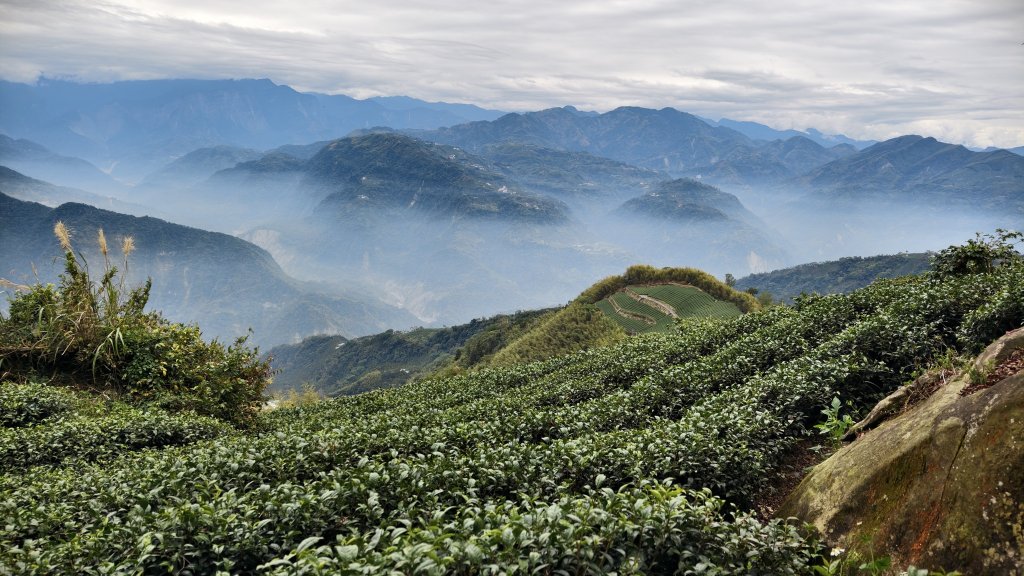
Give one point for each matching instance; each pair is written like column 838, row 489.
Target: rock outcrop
column 940, row 485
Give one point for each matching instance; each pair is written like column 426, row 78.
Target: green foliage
column 835, row 426
column 983, row 254
column 643, row 274
column 83, row 330
column 76, row 438
column 23, row 404
column 645, row 530
column 624, row 458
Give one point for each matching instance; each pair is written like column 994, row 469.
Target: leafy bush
column 83, row 330
column 83, row 438
column 642, row 274
column 22, row 404
column 985, row 253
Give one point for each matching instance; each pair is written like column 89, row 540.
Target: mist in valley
column 380, row 229
column 444, row 269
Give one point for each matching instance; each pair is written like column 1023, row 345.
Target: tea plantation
column 640, row 309
column 640, row 457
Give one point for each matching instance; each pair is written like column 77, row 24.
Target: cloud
column 869, row 69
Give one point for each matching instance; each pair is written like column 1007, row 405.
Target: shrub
column 98, row 331
column 23, row 404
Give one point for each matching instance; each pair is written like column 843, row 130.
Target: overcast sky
column 866, row 68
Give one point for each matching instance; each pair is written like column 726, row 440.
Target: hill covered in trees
column 836, row 276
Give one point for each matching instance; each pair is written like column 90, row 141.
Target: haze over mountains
column 406, row 212
column 226, row 283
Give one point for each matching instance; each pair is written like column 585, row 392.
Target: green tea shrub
column 624, row 458
column 84, row 438
column 22, row 404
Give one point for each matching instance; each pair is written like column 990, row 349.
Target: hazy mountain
column 688, row 200
column 665, row 139
column 198, row 165
column 913, row 168
column 773, row 162
column 449, row 235
column 386, row 171
column 137, row 127
column 681, row 216
column 21, row 187
column 37, row 161
column 226, row 283
column 574, row 177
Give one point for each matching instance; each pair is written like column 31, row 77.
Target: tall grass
column 96, row 333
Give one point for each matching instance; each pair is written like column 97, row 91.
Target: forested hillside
column 335, row 365
column 836, row 276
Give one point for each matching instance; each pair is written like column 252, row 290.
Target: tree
column 730, row 280
column 985, row 253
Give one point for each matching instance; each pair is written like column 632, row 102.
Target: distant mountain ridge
column 137, row 126
column 665, row 139
column 924, row 169
column 22, row 187
column 757, row 131
column 834, row 277
column 38, row 161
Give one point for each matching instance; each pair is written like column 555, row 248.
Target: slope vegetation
column 335, row 365
column 591, row 320
column 843, row 275
column 623, row 458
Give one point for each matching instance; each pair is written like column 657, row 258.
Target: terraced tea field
column 689, row 302
column 642, row 309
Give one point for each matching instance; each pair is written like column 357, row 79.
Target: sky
column 869, row 69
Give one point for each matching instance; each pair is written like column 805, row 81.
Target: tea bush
column 627, row 458
column 22, row 404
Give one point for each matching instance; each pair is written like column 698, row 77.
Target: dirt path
column 623, row 312
column 653, row 303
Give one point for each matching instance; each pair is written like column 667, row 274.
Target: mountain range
column 494, row 212
column 925, row 170
column 665, row 139
column 133, row 128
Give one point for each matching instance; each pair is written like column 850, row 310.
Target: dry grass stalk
column 127, row 245
column 102, row 240
column 63, row 234
column 14, row 286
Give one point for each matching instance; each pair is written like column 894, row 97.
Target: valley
column 249, row 329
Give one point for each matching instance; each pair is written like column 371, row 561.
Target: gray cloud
column 871, row 69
